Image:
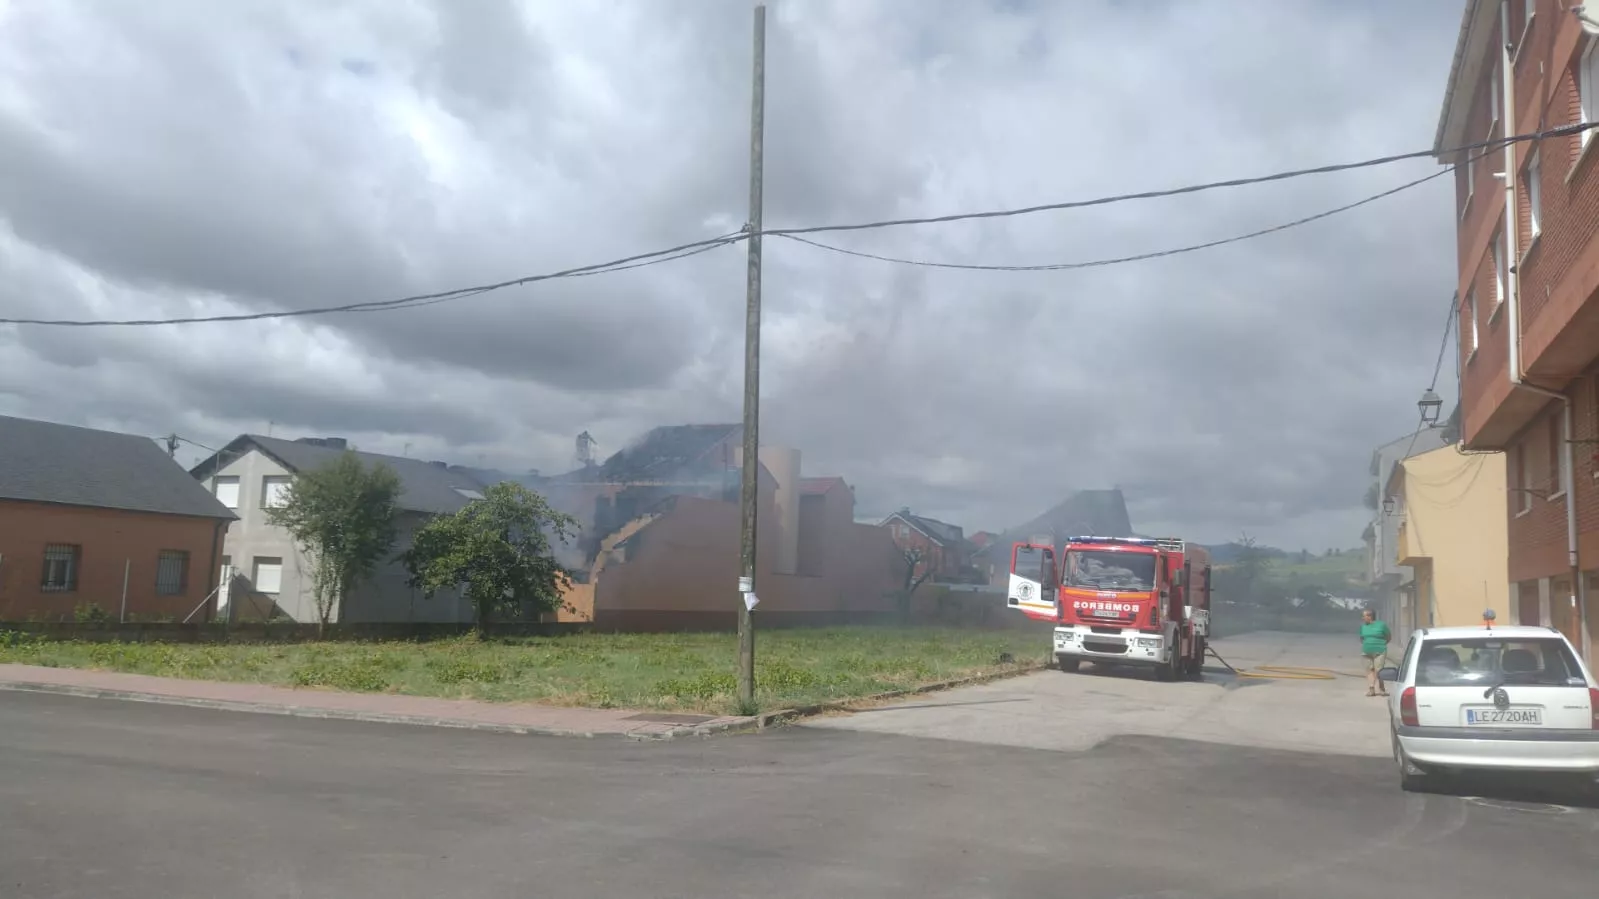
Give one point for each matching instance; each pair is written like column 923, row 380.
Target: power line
column 695, row 247
column 1496, row 143
column 1118, row 260
column 1449, row 325
column 411, row 302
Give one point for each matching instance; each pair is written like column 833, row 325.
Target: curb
column 294, row 711
column 785, row 716
column 643, row 733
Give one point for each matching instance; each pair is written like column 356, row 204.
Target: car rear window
column 1487, row 660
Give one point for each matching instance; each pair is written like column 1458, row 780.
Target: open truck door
column 1033, row 580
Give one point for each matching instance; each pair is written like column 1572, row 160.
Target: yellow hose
column 1289, row 672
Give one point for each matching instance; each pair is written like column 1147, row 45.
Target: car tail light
column 1407, row 708
column 1593, row 706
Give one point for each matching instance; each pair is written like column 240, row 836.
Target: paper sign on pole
column 750, row 601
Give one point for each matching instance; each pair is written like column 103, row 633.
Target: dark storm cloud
column 191, row 158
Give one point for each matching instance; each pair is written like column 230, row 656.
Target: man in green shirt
column 1374, row 637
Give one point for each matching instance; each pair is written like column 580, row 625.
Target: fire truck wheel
column 1068, row 665
column 1168, row 670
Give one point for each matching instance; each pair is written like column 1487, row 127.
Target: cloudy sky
column 183, row 158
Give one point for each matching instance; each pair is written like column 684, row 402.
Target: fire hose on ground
column 1280, row 672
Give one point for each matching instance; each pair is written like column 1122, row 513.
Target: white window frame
column 1494, row 87
column 65, row 560
column 1534, row 182
column 1471, row 310
column 1470, row 164
column 280, row 481
column 1529, row 8
column 1588, row 89
column 226, row 481
column 272, row 565
column 1496, row 248
column 1521, row 473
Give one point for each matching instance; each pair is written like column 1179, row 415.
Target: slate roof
column 424, row 486
column 41, row 461
column 673, row 451
column 943, row 532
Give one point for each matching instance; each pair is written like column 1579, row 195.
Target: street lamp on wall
column 1430, row 404
column 1388, row 506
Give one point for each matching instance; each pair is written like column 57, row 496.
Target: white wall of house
column 279, row 571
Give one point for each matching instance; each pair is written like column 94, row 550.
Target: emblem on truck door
column 1024, row 590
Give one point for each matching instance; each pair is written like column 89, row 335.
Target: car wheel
column 1068, row 665
column 1411, row 781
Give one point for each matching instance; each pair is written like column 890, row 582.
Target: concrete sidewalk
column 1076, row 712
column 389, row 708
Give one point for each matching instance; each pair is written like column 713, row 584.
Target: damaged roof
column 674, row 451
column 1101, row 513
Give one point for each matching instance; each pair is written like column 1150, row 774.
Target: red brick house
column 1528, row 274
column 939, row 550
column 95, row 520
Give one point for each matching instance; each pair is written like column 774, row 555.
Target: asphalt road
column 109, row 799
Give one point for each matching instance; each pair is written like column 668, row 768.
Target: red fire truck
column 1118, row 600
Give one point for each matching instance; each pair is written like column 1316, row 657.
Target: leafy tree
column 497, row 549
column 343, row 517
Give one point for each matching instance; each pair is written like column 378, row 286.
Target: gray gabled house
column 249, row 474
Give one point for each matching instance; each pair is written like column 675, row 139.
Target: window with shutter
column 268, row 574
column 227, row 491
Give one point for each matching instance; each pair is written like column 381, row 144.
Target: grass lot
column 645, row 671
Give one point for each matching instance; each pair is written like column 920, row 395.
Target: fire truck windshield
column 1107, row 570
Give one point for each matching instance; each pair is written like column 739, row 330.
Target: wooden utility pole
column 750, row 483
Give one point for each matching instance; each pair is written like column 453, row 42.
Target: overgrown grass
column 690, row 672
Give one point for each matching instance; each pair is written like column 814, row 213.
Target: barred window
column 60, row 568
column 172, row 572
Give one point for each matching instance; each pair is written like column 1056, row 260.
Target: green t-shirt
column 1374, row 638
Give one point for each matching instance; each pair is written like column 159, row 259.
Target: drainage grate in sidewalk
column 668, row 718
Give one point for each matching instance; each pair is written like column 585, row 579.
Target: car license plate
column 1505, row 717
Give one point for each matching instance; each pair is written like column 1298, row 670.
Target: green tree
column 497, row 549
column 343, row 517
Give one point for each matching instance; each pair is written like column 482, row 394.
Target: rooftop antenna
column 1488, row 619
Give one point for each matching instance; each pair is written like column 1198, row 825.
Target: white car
column 1492, row 699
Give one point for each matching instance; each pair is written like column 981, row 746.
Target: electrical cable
column 1486, row 145
column 1118, row 260
column 411, row 302
column 695, row 247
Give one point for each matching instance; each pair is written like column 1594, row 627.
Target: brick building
column 939, row 550
column 1528, row 272
column 95, row 522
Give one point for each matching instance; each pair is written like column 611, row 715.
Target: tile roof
column 45, row 462
column 424, row 486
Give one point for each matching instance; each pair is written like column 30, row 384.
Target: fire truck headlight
column 1149, row 642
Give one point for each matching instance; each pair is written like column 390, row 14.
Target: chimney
column 784, row 464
